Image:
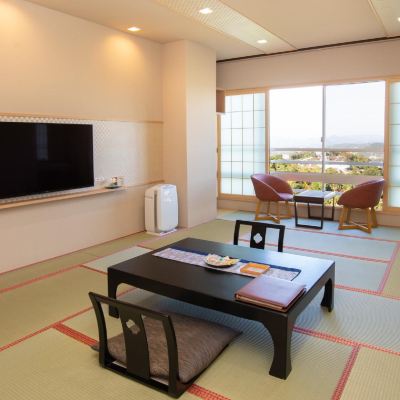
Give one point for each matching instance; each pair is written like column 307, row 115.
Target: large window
column 329, row 135
column 296, row 129
column 242, row 142
column 394, row 145
column 324, row 136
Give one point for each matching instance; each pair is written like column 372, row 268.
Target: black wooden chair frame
column 137, row 351
column 260, row 228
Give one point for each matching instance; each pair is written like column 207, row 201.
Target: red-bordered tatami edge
column 328, row 253
column 93, row 269
column 347, row 342
column 346, row 373
column 389, row 269
column 343, row 235
column 196, row 390
column 205, row 394
column 38, row 278
column 80, row 337
column 15, row 342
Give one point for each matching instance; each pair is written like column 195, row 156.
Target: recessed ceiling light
column 205, row 10
column 398, row 19
column 262, row 41
column 134, row 29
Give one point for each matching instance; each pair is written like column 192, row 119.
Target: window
column 242, row 142
column 296, row 132
column 394, row 145
column 321, row 136
column 354, row 129
column 331, row 134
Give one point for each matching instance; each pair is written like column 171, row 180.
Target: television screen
column 40, row 157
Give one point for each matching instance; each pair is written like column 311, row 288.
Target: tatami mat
column 217, row 230
column 32, row 307
column 52, row 366
column 375, row 375
column 107, row 248
column 341, row 245
column 357, row 316
column 33, row 271
column 241, row 372
column 103, row 263
column 381, row 232
column 360, row 274
column 392, row 285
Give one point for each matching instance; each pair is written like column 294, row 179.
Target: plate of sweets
column 219, row 261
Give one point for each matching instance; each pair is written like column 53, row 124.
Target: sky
column 354, row 115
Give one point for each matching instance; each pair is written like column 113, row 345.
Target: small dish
column 217, row 261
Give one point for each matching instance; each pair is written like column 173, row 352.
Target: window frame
column 326, row 178
column 242, row 197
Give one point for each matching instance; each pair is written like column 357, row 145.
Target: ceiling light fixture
column 205, row 11
column 398, row 19
column 262, row 41
column 134, row 29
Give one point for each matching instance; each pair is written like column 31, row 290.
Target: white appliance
column 161, row 209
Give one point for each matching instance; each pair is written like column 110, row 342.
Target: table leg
column 322, row 215
column 296, row 217
column 333, row 210
column 112, row 292
column 281, row 333
column 329, row 296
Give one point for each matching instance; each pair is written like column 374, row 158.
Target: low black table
column 314, row 197
column 216, row 289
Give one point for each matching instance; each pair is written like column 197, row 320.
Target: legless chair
column 258, row 234
column 165, row 352
column 270, row 189
column 365, row 196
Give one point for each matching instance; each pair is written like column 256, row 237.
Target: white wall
column 341, row 63
column 56, row 65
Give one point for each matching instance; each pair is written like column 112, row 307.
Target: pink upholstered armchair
column 269, row 189
column 365, row 196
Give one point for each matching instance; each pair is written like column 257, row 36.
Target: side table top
column 316, row 194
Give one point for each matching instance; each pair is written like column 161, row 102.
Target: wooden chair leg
column 258, row 209
column 278, row 214
column 268, row 207
column 289, row 215
column 342, row 217
column 374, row 219
column 348, row 216
column 369, row 220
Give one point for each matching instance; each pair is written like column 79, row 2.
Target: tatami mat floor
column 46, row 324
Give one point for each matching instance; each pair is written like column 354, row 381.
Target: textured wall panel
column 132, row 150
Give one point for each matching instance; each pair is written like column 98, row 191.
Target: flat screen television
column 40, row 157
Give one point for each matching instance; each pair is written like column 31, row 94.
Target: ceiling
column 234, row 26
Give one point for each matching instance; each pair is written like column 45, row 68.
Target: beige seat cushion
column 199, row 343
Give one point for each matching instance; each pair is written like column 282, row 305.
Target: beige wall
column 201, row 134
column 174, row 109
column 56, row 65
column 341, row 63
column 189, row 129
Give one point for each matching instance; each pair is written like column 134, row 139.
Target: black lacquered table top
column 215, row 284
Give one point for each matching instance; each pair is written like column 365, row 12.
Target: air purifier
column 161, row 209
